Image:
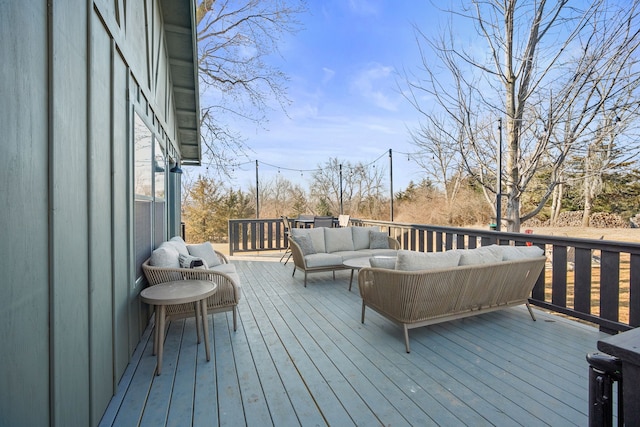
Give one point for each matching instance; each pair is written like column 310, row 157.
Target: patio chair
column 225, row 299
column 287, row 232
column 322, row 221
column 343, row 220
column 303, row 221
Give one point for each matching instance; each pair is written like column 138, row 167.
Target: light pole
column 257, row 194
column 341, row 212
column 391, row 180
column 499, row 183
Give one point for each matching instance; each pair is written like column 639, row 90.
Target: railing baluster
column 582, row 280
column 609, row 285
column 559, row 276
column 634, row 290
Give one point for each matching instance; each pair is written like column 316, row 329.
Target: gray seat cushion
column 353, row 254
column 229, row 270
column 323, row 260
column 383, row 252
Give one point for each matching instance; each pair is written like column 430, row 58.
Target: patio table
column 178, row 292
column 355, row 264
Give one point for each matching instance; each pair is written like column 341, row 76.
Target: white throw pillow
column 413, row 261
column 179, row 244
column 206, row 252
column 165, row 256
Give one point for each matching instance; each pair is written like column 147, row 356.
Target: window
column 150, row 187
column 142, row 158
column 160, row 189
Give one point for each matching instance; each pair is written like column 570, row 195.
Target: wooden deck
column 301, row 356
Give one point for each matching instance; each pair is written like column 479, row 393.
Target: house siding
column 24, row 250
column 72, row 75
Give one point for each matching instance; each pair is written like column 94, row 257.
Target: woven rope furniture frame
column 419, row 298
column 225, row 299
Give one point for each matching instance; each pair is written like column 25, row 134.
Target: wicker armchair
column 225, row 299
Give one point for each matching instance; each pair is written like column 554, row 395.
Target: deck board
column 301, row 356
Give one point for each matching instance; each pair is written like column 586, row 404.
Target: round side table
column 178, row 292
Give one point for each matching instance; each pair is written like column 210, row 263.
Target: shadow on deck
column 301, row 356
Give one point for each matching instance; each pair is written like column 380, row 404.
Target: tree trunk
column 556, row 204
column 514, row 116
column 513, row 214
column 588, row 201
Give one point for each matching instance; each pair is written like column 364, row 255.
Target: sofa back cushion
column 483, row 255
column 338, row 239
column 316, row 235
column 360, row 237
column 413, row 261
column 510, row 253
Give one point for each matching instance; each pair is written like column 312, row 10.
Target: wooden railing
column 594, row 280
column 255, row 235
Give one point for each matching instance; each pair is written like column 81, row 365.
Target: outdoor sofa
column 420, row 289
column 175, row 260
column 326, row 248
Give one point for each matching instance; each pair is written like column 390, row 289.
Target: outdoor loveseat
column 175, row 260
column 325, row 248
column 426, row 288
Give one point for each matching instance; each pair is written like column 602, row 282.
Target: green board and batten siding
column 71, row 77
column 24, row 273
column 68, row 216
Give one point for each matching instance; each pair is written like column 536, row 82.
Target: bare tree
column 362, row 188
column 546, row 67
column 235, row 38
column 439, row 155
column 278, row 196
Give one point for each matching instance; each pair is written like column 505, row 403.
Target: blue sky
column 343, row 69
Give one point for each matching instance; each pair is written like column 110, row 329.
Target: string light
column 238, row 166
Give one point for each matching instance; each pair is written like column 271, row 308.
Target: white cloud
column 363, row 7
column 328, row 74
column 376, row 84
column 302, row 112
